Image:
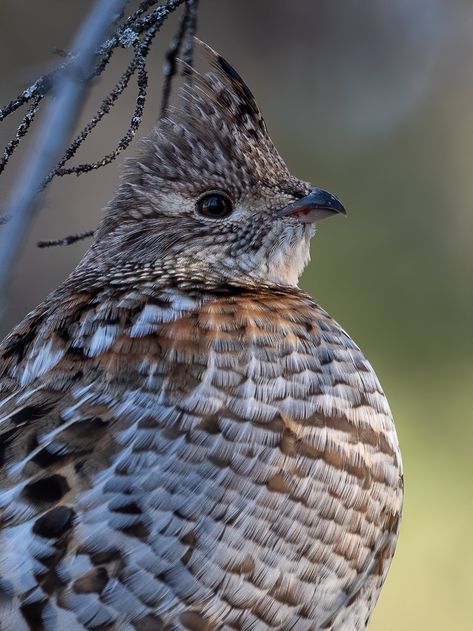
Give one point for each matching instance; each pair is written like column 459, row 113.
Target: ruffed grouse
column 187, row 440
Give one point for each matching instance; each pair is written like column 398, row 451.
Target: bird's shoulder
column 86, row 324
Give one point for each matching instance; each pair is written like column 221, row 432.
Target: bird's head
column 208, row 194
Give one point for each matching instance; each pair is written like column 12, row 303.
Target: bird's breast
column 240, row 451
column 267, row 396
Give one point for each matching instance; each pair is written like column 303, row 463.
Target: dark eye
column 214, row 205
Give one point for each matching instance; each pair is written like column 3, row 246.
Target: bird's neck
column 270, row 260
column 183, row 273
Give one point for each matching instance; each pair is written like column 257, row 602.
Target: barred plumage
column 187, row 440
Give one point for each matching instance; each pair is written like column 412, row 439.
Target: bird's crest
column 215, row 135
column 228, row 91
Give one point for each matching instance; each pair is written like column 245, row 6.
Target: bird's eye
column 214, row 205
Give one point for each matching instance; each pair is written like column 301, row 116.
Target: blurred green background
column 371, row 101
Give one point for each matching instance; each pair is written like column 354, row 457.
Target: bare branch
column 188, row 44
column 183, row 38
column 124, row 37
column 20, row 132
column 185, row 34
column 69, row 240
column 90, row 57
column 61, row 116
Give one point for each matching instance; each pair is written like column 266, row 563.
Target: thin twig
column 189, row 21
column 20, row 132
column 61, row 116
column 169, row 69
column 184, row 38
column 188, row 44
column 127, row 35
column 108, row 102
column 130, row 133
column 124, row 37
column 138, row 64
column 69, row 240
column 69, row 81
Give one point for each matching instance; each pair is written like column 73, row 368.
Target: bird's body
column 191, row 444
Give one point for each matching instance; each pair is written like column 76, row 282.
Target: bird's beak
column 315, row 206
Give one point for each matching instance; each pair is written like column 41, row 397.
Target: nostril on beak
column 317, row 205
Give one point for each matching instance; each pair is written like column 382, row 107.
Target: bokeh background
column 370, row 100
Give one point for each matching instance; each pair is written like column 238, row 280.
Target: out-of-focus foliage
column 370, row 100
